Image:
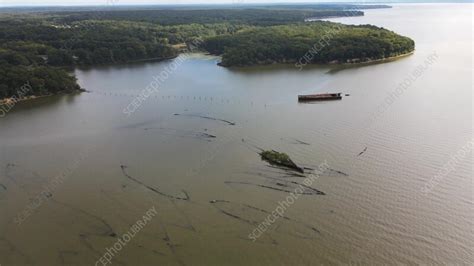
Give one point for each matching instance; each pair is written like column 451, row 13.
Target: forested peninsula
column 39, row 47
column 313, row 43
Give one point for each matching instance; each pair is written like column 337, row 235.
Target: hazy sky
column 157, row 2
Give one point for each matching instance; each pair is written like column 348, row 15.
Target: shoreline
column 381, row 60
column 12, row 101
column 154, row 59
column 359, row 63
column 157, row 59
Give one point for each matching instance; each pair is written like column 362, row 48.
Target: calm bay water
column 375, row 209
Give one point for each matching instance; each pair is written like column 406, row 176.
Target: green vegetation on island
column 279, row 159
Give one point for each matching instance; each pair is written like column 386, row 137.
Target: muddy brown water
column 98, row 171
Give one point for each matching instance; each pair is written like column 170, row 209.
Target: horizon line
column 355, row 2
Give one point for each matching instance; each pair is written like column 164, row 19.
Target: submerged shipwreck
column 280, row 159
column 320, row 97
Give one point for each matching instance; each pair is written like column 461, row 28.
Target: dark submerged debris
column 281, row 175
column 3, row 186
column 362, row 152
column 124, row 171
column 169, row 243
column 289, row 172
column 301, row 142
column 296, row 141
column 250, row 215
column 208, row 135
column 209, row 118
column 337, row 172
column 218, row 204
column 101, row 228
column 286, row 186
column 280, row 159
column 152, row 250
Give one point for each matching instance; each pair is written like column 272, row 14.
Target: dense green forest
column 318, row 42
column 41, row 80
column 38, row 46
column 260, row 17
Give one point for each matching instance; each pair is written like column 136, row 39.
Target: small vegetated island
column 39, row 46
